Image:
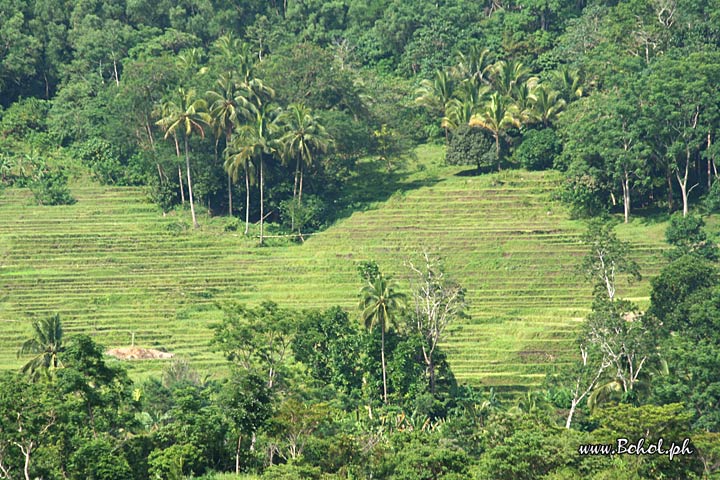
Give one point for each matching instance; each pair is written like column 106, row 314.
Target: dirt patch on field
column 138, row 353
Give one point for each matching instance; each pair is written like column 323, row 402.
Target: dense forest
column 261, row 111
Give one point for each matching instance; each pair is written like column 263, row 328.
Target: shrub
column 308, row 215
column 538, row 149
column 50, row 188
column 103, row 160
column 471, row 146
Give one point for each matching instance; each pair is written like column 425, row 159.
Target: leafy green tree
column 471, row 145
column 607, row 257
column 538, row 150
column 687, row 235
column 185, row 114
column 258, row 339
column 605, row 126
column 438, row 302
column 380, row 302
column 322, row 343
column 28, row 417
column 247, row 402
column 675, row 284
column 46, row 344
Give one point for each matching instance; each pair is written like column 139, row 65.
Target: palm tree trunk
column 230, row 208
column 297, row 171
column 182, row 188
column 382, row 358
column 301, row 183
column 497, row 149
column 187, row 166
column 262, row 201
column 247, row 198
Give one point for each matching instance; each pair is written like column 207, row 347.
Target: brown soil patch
column 138, row 353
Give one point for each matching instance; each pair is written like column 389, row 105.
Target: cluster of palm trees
column 239, row 110
column 495, row 96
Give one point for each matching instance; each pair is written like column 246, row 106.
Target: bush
column 103, row 160
column 712, row 199
column 471, row 146
column 538, row 149
column 308, row 215
column 25, row 116
column 50, row 188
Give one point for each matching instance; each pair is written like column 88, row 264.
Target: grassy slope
column 111, row 265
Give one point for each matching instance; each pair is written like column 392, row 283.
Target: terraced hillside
column 113, row 266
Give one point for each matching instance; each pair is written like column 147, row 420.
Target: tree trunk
column 182, row 188
column 382, row 358
column 262, row 201
column 431, row 368
column 230, row 207
column 237, row 455
column 301, row 185
column 626, row 196
column 573, row 406
column 497, row 149
column 295, row 184
column 247, row 198
column 190, row 192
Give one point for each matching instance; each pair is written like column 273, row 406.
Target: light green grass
column 112, row 264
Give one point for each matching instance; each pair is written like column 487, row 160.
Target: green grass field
column 112, row 265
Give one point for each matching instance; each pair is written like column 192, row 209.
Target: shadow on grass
column 476, row 172
column 373, row 183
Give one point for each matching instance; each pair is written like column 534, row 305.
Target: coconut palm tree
column 46, row 345
column 304, row 137
column 459, row 112
column 379, row 303
column 569, row 83
column 548, row 105
column 436, row 93
column 254, row 142
column 473, row 65
column 496, row 117
column 186, row 114
column 224, row 112
column 506, row 75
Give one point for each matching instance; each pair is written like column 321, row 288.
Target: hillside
column 112, row 266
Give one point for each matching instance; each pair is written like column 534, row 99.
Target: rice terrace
column 114, row 267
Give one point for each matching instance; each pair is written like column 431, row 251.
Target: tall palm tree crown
column 186, row 115
column 379, row 303
column 47, row 346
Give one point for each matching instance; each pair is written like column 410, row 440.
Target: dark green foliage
column 51, row 188
column 322, row 344
column 309, row 216
column 676, row 283
column 538, row 149
column 23, row 117
column 98, row 460
column 471, row 146
column 103, row 160
column 368, row 271
column 687, row 235
column 426, row 456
